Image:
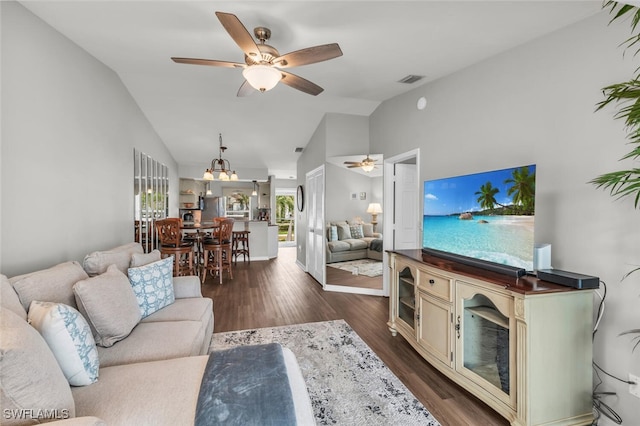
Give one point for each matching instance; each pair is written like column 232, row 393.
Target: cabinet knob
column 432, row 281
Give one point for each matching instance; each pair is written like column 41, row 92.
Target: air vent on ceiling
column 410, row 79
column 298, row 149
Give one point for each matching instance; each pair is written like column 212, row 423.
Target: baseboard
column 357, row 290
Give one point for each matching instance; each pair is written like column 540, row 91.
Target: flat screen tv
column 486, row 219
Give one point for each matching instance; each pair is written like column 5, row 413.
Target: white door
column 401, row 198
column 315, row 224
column 406, row 207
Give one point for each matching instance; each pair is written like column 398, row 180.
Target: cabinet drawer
column 435, row 284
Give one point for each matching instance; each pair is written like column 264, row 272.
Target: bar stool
column 218, row 250
column 172, row 244
column 241, row 245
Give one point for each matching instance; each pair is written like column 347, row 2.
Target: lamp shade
column 207, row 175
column 374, row 208
column 262, row 77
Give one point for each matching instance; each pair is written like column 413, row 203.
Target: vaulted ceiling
column 381, row 41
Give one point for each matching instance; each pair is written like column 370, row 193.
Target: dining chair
column 172, row 244
column 217, row 250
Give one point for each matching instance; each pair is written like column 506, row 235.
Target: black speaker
column 569, row 279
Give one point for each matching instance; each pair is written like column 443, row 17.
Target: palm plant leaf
column 636, row 338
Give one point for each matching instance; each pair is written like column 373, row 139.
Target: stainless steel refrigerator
column 213, row 207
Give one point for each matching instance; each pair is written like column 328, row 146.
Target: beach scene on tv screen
column 488, row 216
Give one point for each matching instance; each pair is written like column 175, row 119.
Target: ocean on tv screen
column 488, row 216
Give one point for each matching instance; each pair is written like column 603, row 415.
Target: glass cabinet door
column 485, row 340
column 406, row 297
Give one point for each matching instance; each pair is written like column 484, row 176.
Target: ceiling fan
column 367, row 164
column 262, row 63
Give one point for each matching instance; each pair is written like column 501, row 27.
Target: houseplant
column 626, row 95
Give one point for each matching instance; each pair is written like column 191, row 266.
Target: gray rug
column 368, row 267
column 348, row 384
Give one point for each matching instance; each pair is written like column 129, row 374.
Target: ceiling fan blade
column 352, row 162
column 245, row 89
column 310, row 55
column 239, row 34
column 300, row 83
column 355, row 166
column 209, row 62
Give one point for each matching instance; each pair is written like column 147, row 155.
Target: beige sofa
column 347, row 240
column 151, row 376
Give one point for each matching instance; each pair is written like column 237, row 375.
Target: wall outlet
column 634, row 389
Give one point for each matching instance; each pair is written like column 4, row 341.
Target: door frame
column 307, row 207
column 389, row 202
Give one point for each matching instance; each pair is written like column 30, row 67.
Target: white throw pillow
column 70, row 339
column 153, row 285
column 141, row 259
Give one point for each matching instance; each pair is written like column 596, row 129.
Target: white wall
column 341, row 183
column 69, row 128
column 535, row 104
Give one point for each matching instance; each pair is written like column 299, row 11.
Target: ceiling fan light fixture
column 262, row 77
column 367, row 167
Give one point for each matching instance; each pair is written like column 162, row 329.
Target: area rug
column 368, row 267
column 348, row 384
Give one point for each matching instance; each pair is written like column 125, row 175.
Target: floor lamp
column 374, row 209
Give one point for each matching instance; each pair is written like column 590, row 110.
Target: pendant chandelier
column 220, row 166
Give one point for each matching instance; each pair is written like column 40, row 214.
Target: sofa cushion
column 69, row 338
column 338, row 246
column 356, row 231
column 31, row 378
column 141, row 259
column 356, row 244
column 154, row 393
column 97, row 262
column 153, row 285
column 192, row 309
column 344, row 232
column 54, row 284
column 153, row 341
column 9, row 298
column 110, row 305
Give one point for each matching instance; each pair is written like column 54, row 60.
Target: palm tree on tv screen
column 487, row 195
column 522, row 189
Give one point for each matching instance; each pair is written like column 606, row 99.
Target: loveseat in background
column 351, row 240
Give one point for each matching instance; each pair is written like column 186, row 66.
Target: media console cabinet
column 521, row 345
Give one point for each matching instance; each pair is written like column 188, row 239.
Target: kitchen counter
column 263, row 238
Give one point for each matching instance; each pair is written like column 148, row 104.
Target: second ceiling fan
column 262, row 67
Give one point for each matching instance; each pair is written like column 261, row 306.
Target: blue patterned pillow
column 70, row 339
column 333, row 233
column 153, row 285
column 356, row 231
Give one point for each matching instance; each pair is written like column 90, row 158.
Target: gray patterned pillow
column 153, row 285
column 356, row 231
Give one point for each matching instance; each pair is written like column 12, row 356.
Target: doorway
column 402, row 200
column 285, row 216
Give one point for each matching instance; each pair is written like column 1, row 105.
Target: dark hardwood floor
column 277, row 292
